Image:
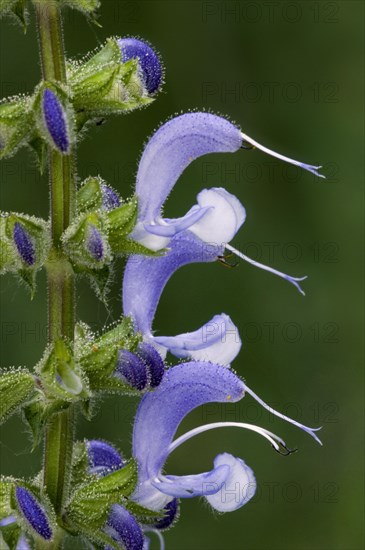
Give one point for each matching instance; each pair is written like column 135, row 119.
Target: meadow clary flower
column 184, row 388
column 218, row 215
column 143, row 283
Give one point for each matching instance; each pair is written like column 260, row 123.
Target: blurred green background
column 291, row 75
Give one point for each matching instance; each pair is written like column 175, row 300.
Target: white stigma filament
column 274, row 439
column 310, row 431
column 308, row 167
column 293, row 280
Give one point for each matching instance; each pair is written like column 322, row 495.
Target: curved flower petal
column 217, row 341
column 193, row 485
column 103, row 457
column 237, row 489
column 224, row 218
column 145, row 277
column 159, row 414
column 172, row 148
column 124, row 528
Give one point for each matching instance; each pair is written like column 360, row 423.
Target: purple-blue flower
column 55, row 121
column 218, row 215
column 148, row 61
column 24, row 244
column 184, row 388
column 143, row 283
column 33, row 512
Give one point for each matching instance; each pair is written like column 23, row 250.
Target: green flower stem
column 61, row 280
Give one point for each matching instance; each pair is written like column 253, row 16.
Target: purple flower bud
column 170, row 513
column 55, row 119
column 103, row 458
column 94, row 243
column 154, row 363
column 33, row 512
column 124, row 529
column 110, row 198
column 131, row 369
column 148, row 61
column 24, row 244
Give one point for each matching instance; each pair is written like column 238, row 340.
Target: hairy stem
column 61, row 281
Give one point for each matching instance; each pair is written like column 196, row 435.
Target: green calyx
column 103, row 85
column 90, row 503
column 17, row 387
column 98, row 356
column 24, row 246
column 16, row 124
column 60, row 375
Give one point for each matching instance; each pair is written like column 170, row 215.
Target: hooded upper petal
column 159, row 414
column 145, row 277
column 172, row 148
column 217, row 341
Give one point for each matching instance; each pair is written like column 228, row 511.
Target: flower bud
column 110, row 198
column 55, row 120
column 123, row 528
column 170, row 511
column 94, row 193
column 153, row 362
column 33, row 512
column 122, row 76
column 148, row 62
column 98, row 356
column 103, row 458
column 86, row 242
column 24, row 244
column 131, row 369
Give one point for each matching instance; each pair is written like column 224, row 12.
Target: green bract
column 97, row 356
column 90, row 503
column 11, row 257
column 103, row 85
column 16, row 125
column 16, row 387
